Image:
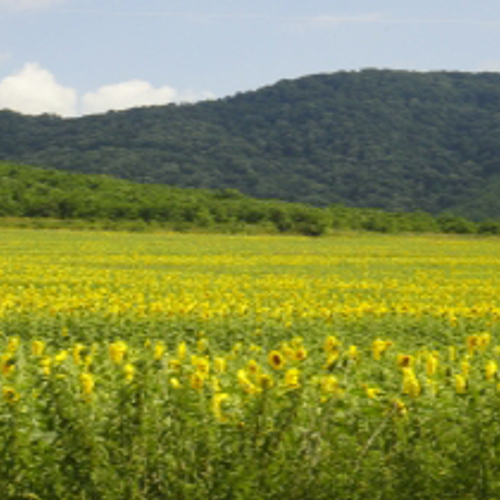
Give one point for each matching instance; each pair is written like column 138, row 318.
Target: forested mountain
column 375, row 138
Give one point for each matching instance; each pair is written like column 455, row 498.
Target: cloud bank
column 34, row 90
column 134, row 93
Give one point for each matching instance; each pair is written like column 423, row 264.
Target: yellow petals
column 159, row 350
column 452, row 353
column 237, row 348
column 431, row 364
column 129, row 371
column 218, row 403
column 253, row 368
column 479, row 341
column 411, row 385
column 379, row 347
column 405, row 361
column 87, row 384
column 37, row 347
column 330, row 386
column 216, row 384
column 175, row 383
column 60, row 357
column 255, row 348
column 460, row 384
column 299, row 354
column 7, row 364
column 332, row 358
column 46, row 365
column 353, row 353
column 400, row 408
column 472, row 343
column 13, row 345
column 197, row 381
column 484, row 340
column 202, row 345
column 287, row 350
column 182, row 351
column 373, row 392
column 292, row 378
column 118, row 351
column 77, row 353
column 201, row 364
column 465, row 367
column 332, row 344
column 246, row 384
column 220, row 364
column 491, row 370
column 276, row 360
column 10, row 395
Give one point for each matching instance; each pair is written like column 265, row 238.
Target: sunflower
column 10, row 395
column 292, row 378
column 218, row 406
column 117, row 351
column 276, row 360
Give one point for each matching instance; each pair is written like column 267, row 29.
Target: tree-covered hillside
column 32, row 195
column 376, row 138
column 30, row 192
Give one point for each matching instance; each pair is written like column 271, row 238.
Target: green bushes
column 27, row 192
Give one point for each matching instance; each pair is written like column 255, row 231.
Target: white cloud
column 134, row 93
column 34, row 90
column 28, row 4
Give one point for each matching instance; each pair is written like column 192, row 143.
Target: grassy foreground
column 227, row 367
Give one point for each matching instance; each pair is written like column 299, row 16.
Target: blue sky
column 74, row 57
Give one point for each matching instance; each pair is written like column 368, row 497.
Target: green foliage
column 395, row 140
column 143, row 367
column 52, row 198
column 130, row 434
column 450, row 223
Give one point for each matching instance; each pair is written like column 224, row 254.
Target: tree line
column 42, row 194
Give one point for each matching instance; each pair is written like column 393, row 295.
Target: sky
column 80, row 57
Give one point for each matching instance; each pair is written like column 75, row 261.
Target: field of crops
column 181, row 366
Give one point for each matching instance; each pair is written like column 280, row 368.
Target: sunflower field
column 184, row 366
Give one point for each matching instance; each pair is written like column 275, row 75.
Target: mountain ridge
column 389, row 139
